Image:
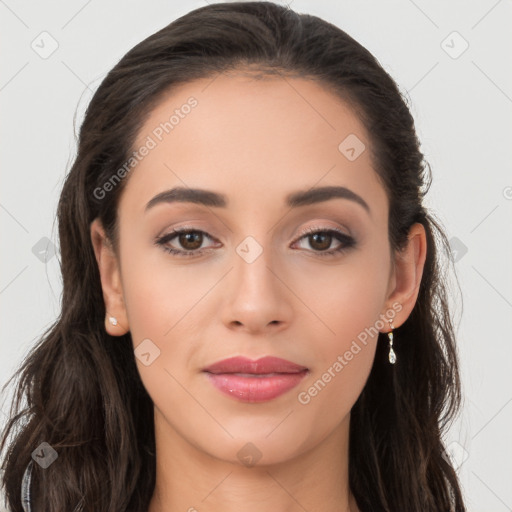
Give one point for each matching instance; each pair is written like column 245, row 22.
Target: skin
column 254, row 141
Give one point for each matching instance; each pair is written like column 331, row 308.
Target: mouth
column 263, row 366
column 255, row 381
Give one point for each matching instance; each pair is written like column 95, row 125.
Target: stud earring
column 112, row 320
column 392, row 355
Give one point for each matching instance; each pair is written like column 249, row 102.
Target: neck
column 188, row 479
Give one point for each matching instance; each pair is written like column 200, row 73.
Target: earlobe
column 408, row 272
column 116, row 320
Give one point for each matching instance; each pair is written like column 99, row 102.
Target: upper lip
column 264, row 365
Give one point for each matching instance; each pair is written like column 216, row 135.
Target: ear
column 111, row 284
column 406, row 277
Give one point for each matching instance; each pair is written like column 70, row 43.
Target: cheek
column 349, row 308
column 347, row 300
column 344, row 300
column 158, row 301
column 329, row 395
column 157, row 316
column 157, row 293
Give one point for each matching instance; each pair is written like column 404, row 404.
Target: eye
column 320, row 239
column 190, row 239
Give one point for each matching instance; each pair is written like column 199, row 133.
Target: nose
column 258, row 299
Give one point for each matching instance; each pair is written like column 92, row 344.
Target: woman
column 253, row 314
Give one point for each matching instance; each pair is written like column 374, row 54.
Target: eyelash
column 347, row 242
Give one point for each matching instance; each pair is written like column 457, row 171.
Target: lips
column 265, row 365
column 255, row 381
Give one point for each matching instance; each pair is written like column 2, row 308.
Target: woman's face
column 254, row 283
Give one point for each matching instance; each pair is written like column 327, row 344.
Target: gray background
column 461, row 101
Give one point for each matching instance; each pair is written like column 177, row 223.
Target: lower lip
column 255, row 389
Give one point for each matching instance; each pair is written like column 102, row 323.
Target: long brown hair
column 84, row 396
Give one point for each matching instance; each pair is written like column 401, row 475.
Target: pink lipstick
column 255, row 381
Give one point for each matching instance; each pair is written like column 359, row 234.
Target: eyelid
column 344, row 238
column 175, row 232
column 305, row 231
column 346, row 241
column 314, row 229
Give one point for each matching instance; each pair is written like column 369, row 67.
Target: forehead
column 258, row 106
column 251, row 137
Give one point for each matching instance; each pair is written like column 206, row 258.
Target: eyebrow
column 293, row 200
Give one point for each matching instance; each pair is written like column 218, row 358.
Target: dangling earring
column 392, row 355
column 112, row 320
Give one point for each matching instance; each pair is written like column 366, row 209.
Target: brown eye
column 191, row 240
column 184, row 242
column 320, row 241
